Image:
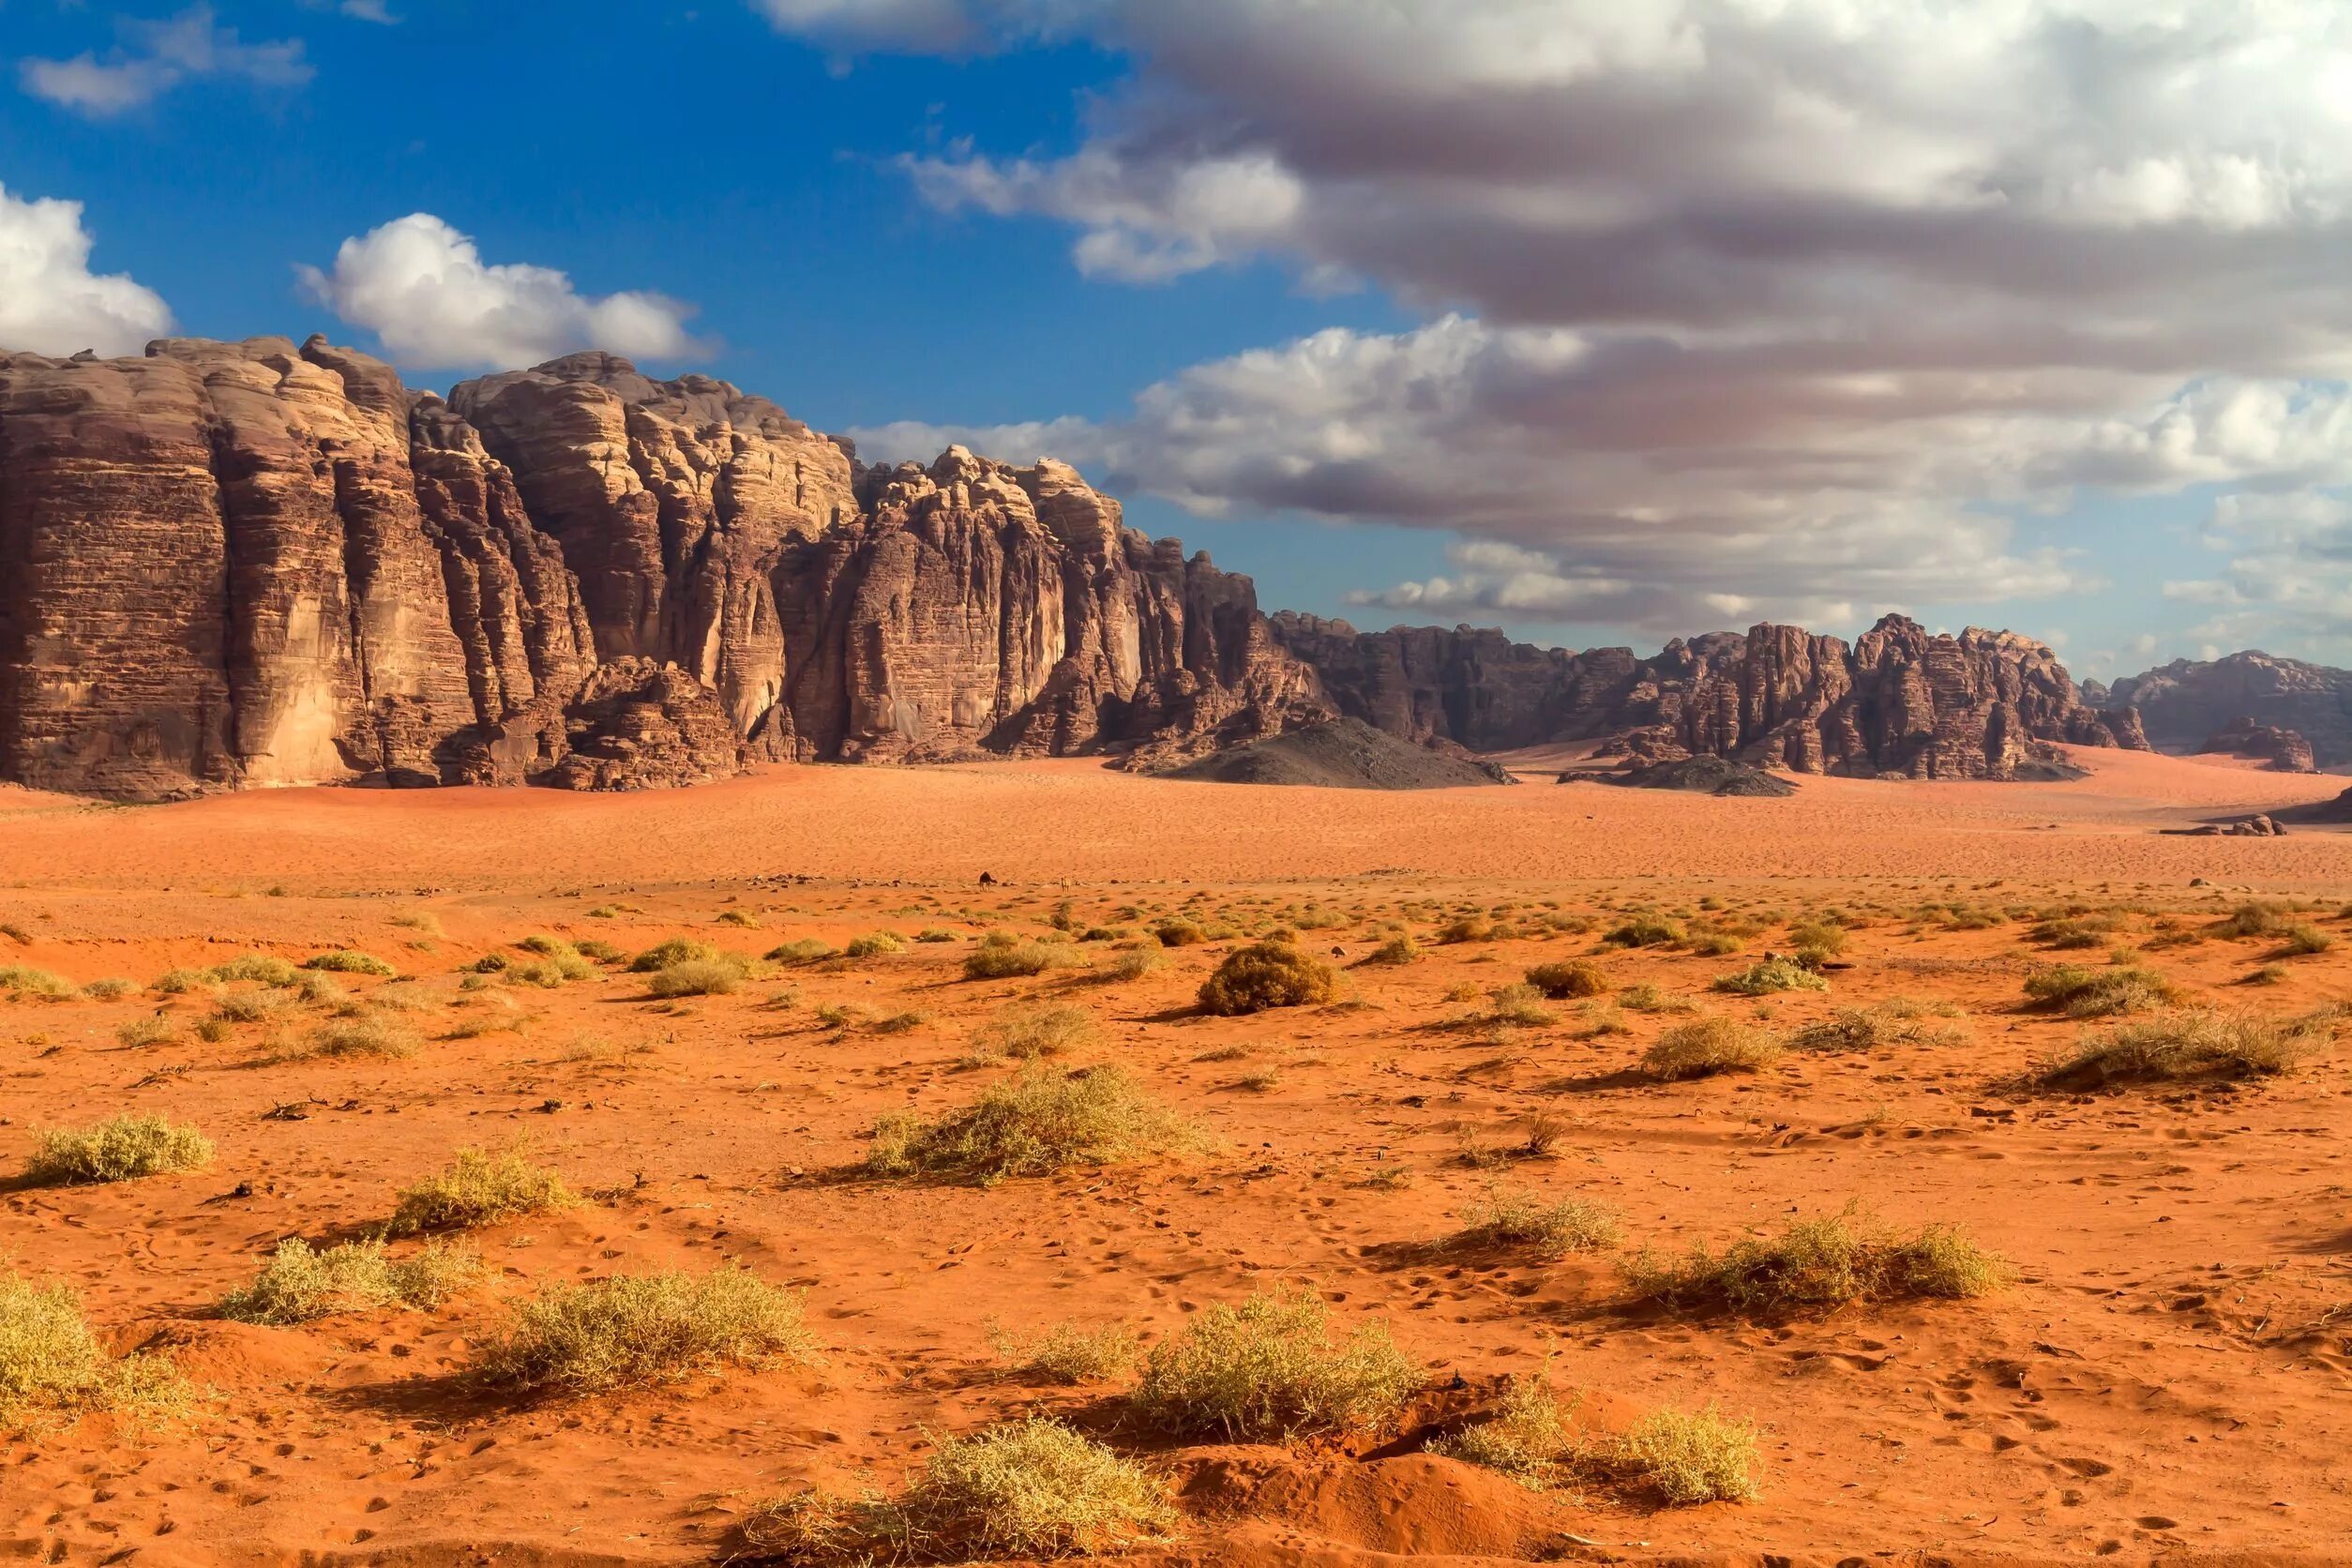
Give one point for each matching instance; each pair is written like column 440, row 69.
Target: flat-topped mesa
column 240, row 563
column 1899, row 701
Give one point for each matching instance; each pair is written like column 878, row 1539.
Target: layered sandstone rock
column 2278, row 751
column 2186, row 700
column 1898, row 701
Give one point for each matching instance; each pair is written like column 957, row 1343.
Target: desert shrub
column 1817, row 940
column 560, row 962
column 1133, row 964
column 1180, row 934
column 805, row 950
column 1039, row 1122
column 1770, row 975
column 1570, row 979
column 178, row 982
column 1713, row 1044
column 489, row 963
column 677, row 950
column 1472, row 928
column 744, row 919
column 1029, row 1491
column 346, row 961
column 146, row 1031
column 1267, row 1369
column 1526, row 1439
column 637, row 1328
column 1266, row 974
column 1646, row 998
column 1398, row 949
column 25, row 980
column 2302, row 938
column 250, row 1006
column 1003, row 955
column 1519, row 1005
column 1689, row 1457
column 122, row 1150
column 1069, row 1353
column 1026, row 1034
column 1549, row 1231
column 1645, row 930
column 300, row 1282
column 2259, row 919
column 875, row 944
column 1714, row 944
column 934, row 934
column 2083, row 992
column 717, row 976
column 115, row 989
column 54, row 1368
column 1822, row 1264
column 259, row 968
column 1897, row 1021
column 372, row 1034
column 2193, row 1044
column 599, row 952
column 480, row 1188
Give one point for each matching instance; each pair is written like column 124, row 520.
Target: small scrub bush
column 1180, row 934
column 1002, row 956
column 1771, row 975
column 259, row 968
column 1267, row 974
column 677, row 950
column 1689, row 1457
column 1897, row 1021
column 146, row 1031
column 1646, row 998
column 2193, row 1044
column 115, row 989
column 1399, row 949
column 875, row 945
column 1026, row 1034
column 1572, row 979
column 23, row 980
column 346, row 961
column 1646, row 931
column 122, row 1150
column 1029, row 1491
column 1519, row 1005
column 2256, row 920
column 1817, row 940
column 1526, row 1439
column 1475, row 927
column 301, row 1283
column 1522, row 1221
column 2302, row 938
column 479, row 1188
column 52, row 1368
column 744, row 919
column 1822, row 1264
column 178, row 982
column 1134, row 964
column 716, row 976
column 805, row 950
column 1042, row 1122
column 372, row 1034
column 1069, row 1353
column 639, row 1329
column 1267, row 1369
column 2083, row 992
column 1714, row 1044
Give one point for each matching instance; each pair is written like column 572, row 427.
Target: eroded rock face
column 240, row 563
column 1899, row 701
column 2278, row 751
column 2186, row 700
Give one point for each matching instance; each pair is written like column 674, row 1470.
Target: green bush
column 258, row 968
column 1002, row 956
column 805, row 950
column 677, row 950
column 1267, row 974
column 1526, row 1439
column 1069, row 1354
column 122, row 1150
column 1266, row 1369
column 875, row 945
column 1690, row 1458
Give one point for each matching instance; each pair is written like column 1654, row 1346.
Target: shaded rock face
column 244, row 564
column 1898, row 701
column 2188, row 700
column 2278, row 751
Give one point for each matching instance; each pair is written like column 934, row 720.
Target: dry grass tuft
column 346, row 961
column 301, row 1283
column 1689, row 1457
column 2083, row 992
column 1069, row 1353
column 1897, row 1021
column 1266, row 1369
column 1526, row 1439
column 1030, row 1490
column 371, row 1034
column 1523, row 1221
column 1713, row 1044
column 1575, row 978
column 121, row 1150
column 1039, row 1122
column 52, row 1368
column 712, row 976
column 1003, row 955
column 1770, row 975
column 479, row 1188
column 1267, row 974
column 642, row 1329
column 1026, row 1034
column 2193, row 1044
column 1822, row 1264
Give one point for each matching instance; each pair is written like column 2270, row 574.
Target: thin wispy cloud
column 155, row 57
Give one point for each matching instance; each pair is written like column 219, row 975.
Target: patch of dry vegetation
column 1267, row 974
column 1026, row 1034
column 2083, row 992
column 1523, row 1221
column 2193, row 1044
column 301, row 1283
column 1819, row 1265
column 1069, row 1353
column 1897, row 1021
column 52, row 1368
column 480, row 1188
column 1709, row 1045
column 1574, row 978
column 122, row 1148
column 637, row 1329
column 1033, row 1124
column 1266, row 1369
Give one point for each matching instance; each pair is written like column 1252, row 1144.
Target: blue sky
column 930, row 219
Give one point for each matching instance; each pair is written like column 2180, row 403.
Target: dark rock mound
column 638, row 725
column 1344, row 754
column 1701, row 775
column 2241, row 827
column 2279, row 749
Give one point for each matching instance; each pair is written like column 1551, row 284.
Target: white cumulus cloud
column 158, row 56
column 50, row 302
column 424, row 290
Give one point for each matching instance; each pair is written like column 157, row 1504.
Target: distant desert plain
column 1571, row 1064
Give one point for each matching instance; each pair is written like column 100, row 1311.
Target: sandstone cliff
column 1898, row 701
column 247, row 564
column 2188, row 700
column 2278, row 751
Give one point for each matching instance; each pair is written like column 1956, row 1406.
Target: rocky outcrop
column 1899, row 701
column 2278, row 751
column 243, row 564
column 2189, row 699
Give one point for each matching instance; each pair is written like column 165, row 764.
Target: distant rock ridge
column 2278, row 751
column 235, row 565
column 1899, row 701
column 2186, row 702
